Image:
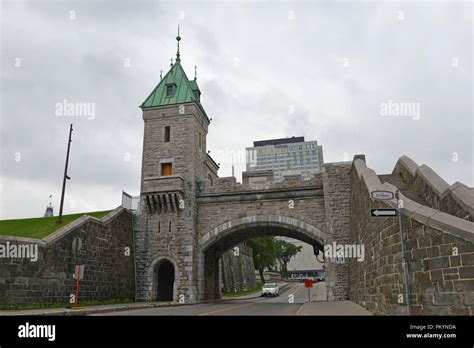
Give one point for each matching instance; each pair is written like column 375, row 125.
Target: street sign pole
column 380, row 195
column 402, row 242
column 308, row 283
column 77, row 283
column 78, row 275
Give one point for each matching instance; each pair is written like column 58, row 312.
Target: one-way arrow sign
column 383, row 212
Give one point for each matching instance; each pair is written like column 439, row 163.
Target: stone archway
column 214, row 243
column 164, row 279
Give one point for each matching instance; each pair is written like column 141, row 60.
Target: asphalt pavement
column 290, row 302
column 293, row 300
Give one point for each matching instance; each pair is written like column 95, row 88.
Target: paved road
column 282, row 305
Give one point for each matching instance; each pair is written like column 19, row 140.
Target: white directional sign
column 380, row 212
column 382, row 195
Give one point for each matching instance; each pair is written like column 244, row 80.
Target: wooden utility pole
column 66, row 177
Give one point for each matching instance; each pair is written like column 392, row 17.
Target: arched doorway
column 221, row 238
column 165, row 281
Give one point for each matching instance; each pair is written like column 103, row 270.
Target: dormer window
column 197, row 94
column 170, row 90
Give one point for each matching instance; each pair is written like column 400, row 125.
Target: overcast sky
column 265, row 69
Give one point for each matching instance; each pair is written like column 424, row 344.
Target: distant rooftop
column 278, row 141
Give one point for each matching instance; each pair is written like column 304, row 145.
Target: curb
column 88, row 311
column 298, row 312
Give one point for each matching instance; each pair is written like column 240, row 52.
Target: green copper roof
column 194, row 85
column 183, row 93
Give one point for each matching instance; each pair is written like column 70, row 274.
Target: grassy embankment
column 40, row 227
column 257, row 288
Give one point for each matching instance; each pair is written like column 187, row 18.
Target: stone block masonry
column 456, row 200
column 315, row 211
column 334, row 206
column 337, row 190
column 439, row 249
column 237, row 269
column 98, row 244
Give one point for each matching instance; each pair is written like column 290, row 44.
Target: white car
column 270, row 289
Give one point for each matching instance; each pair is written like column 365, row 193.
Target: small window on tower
column 167, row 134
column 199, row 140
column 166, row 169
column 169, row 90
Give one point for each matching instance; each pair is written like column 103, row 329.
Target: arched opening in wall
column 164, row 278
column 221, row 252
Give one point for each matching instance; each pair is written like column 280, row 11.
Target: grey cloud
column 282, row 62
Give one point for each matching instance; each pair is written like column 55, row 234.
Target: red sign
column 308, row 283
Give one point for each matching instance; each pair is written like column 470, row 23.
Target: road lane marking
column 226, row 309
column 298, row 312
column 298, row 289
column 244, row 305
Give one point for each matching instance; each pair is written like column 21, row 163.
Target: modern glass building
column 286, row 156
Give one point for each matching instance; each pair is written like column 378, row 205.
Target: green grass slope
column 40, row 227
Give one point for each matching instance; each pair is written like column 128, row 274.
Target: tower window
column 210, row 180
column 166, row 169
column 167, row 134
column 199, row 140
column 169, row 90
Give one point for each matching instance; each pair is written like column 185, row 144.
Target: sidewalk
column 332, row 308
column 92, row 309
column 318, row 292
column 320, row 306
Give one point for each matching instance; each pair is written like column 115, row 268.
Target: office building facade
column 286, row 156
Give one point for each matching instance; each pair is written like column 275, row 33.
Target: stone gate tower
column 175, row 165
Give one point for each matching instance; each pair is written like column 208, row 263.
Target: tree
column 285, row 251
column 264, row 253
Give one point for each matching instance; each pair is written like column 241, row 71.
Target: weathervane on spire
column 195, row 72
column 178, row 38
column 161, row 74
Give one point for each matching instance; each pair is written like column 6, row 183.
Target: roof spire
column 195, row 72
column 178, row 38
column 161, row 74
column 171, row 62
